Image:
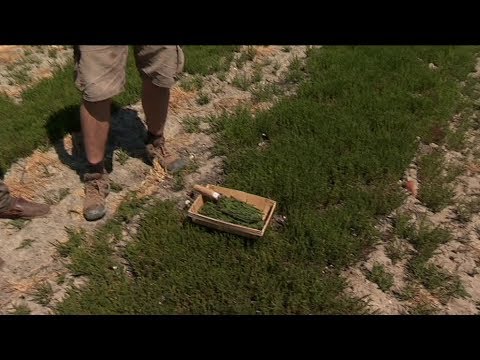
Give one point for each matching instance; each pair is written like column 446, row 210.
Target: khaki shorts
column 100, row 70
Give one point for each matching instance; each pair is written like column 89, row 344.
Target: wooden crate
column 266, row 206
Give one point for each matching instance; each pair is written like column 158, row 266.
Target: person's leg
column 14, row 208
column 159, row 66
column 155, row 102
column 100, row 75
column 5, row 198
column 95, row 120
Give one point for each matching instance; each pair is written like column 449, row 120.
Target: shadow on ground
column 127, row 134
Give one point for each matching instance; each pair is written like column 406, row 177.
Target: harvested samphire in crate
column 239, row 213
column 234, row 211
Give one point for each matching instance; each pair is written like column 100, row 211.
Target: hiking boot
column 97, row 187
column 156, row 149
column 21, row 208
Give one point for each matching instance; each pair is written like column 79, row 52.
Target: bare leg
column 155, row 104
column 95, row 119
